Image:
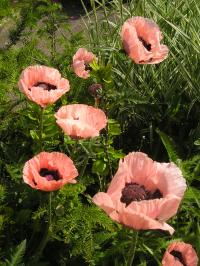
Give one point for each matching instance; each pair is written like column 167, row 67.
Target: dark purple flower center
column 135, row 192
column 178, row 256
column 45, row 86
column 88, row 67
column 145, row 44
column 50, row 174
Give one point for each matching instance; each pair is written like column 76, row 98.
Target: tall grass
column 166, row 95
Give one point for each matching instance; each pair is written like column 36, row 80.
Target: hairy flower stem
column 133, row 249
column 106, row 151
column 48, row 230
column 41, row 129
column 47, row 233
column 50, row 209
column 96, row 102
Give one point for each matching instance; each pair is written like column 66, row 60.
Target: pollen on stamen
column 135, row 192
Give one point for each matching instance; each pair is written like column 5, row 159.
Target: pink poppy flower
column 80, row 120
column 180, row 254
column 49, row 171
column 81, row 61
column 141, row 40
column 143, row 194
column 43, row 85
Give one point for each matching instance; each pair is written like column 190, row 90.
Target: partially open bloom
column 143, row 194
column 180, row 254
column 81, row 61
column 81, row 120
column 141, row 40
column 49, row 171
column 43, row 85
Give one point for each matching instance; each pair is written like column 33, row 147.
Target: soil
column 72, row 9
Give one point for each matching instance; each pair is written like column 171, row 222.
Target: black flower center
column 45, row 86
column 50, row 174
column 135, row 192
column 88, row 67
column 178, row 256
column 145, row 44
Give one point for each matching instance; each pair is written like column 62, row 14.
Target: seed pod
column 95, row 90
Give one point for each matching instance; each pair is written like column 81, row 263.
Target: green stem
column 41, row 128
column 46, row 235
column 106, row 151
column 50, row 209
column 84, row 166
column 133, row 249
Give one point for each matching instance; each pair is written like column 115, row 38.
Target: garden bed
column 99, row 134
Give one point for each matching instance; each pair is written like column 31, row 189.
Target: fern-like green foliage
column 17, row 255
column 84, row 227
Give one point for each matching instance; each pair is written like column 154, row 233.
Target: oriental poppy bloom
column 180, row 254
column 49, row 171
column 141, row 40
column 43, row 85
column 81, row 120
column 143, row 194
column 81, row 61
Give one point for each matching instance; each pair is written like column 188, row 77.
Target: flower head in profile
column 141, row 41
column 81, row 61
column 180, row 254
column 81, row 121
column 143, row 194
column 43, row 85
column 49, row 171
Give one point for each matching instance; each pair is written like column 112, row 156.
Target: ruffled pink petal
column 140, row 221
column 80, row 59
column 117, row 184
column 150, row 208
column 171, row 261
column 81, row 121
column 169, row 179
column 188, row 253
column 79, row 69
column 160, row 209
column 77, row 129
column 168, row 207
column 104, row 201
column 137, row 29
column 83, row 54
column 52, row 161
column 33, row 75
column 138, row 168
